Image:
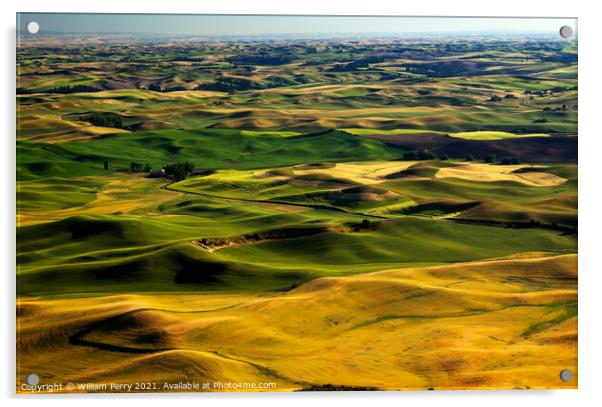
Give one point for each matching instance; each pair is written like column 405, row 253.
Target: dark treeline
column 545, row 92
column 230, row 84
column 179, row 171
column 448, row 68
column 74, row 89
column 418, row 155
column 560, row 57
column 262, row 59
column 139, row 167
column 104, row 119
column 61, row 89
column 421, row 155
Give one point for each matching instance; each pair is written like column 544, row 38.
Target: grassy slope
column 502, row 324
column 503, row 193
column 205, row 148
column 145, row 242
column 134, row 254
column 84, row 231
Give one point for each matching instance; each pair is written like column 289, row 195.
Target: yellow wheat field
column 503, row 323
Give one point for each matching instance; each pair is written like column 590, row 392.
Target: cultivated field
column 316, row 214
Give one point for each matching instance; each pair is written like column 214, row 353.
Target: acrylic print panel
column 283, row 203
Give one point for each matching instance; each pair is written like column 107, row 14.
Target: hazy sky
column 251, row 25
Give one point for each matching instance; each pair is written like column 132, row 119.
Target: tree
column 73, row 89
column 495, row 98
column 135, row 167
column 410, row 155
column 104, row 119
column 510, row 161
column 106, row 164
column 147, row 168
column 490, row 158
column 179, row 171
column 444, row 157
column 470, row 157
column 425, row 155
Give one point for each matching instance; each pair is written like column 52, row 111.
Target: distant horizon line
column 453, row 33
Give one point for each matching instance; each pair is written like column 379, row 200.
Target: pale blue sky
column 171, row 24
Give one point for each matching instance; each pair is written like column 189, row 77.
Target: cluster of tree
column 364, row 225
column 104, row 119
column 157, row 88
column 348, row 67
column 74, row 89
column 186, row 58
column 445, row 69
column 495, row 98
column 61, row 89
column 277, row 81
column 509, row 96
column 559, row 57
column 375, row 59
column 490, row 158
column 139, row 167
column 175, row 88
column 418, row 155
column 562, row 108
column 427, row 155
column 536, row 92
column 510, row 161
column 230, row 84
column 262, row 59
column 233, row 84
column 179, row 171
column 204, row 66
column 555, row 89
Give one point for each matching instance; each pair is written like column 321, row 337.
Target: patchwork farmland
column 320, row 214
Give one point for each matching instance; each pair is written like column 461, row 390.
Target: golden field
column 505, row 323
